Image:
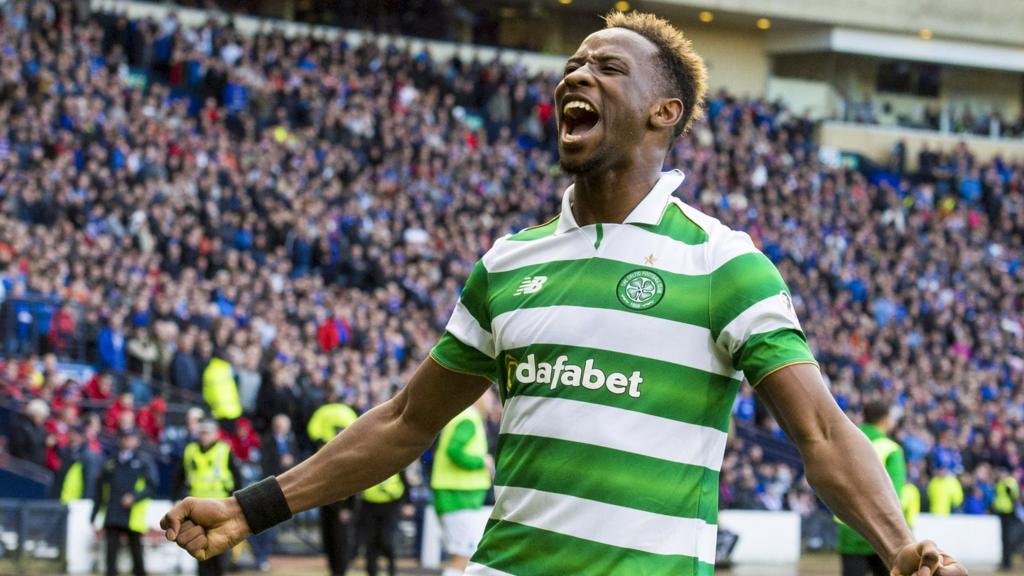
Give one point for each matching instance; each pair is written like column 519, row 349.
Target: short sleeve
column 467, row 344
column 752, row 317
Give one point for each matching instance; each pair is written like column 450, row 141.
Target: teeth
column 577, row 104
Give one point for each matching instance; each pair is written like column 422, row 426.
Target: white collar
column 648, row 211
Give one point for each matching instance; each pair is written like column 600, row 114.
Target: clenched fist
column 925, row 559
column 205, row 527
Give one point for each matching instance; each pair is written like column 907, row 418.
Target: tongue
column 583, row 123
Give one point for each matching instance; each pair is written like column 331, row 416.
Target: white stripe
column 623, row 243
column 615, row 428
column 481, row 570
column 772, row 313
column 464, row 326
column 615, row 331
column 606, row 523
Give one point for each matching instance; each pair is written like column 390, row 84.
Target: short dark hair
column 686, row 76
column 876, row 411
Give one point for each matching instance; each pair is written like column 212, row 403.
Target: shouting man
column 618, row 334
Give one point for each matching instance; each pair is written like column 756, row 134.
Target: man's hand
column 127, row 500
column 205, row 527
column 925, row 559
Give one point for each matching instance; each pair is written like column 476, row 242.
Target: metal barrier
column 33, row 536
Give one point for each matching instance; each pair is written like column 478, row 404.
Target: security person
column 460, row 479
column 945, row 493
column 910, row 501
column 378, row 520
column 324, row 425
column 221, row 391
column 858, row 557
column 208, row 470
column 1005, row 506
column 127, row 482
column 78, row 469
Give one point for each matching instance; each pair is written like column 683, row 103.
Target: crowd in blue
column 308, row 210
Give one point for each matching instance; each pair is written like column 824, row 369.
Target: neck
column 610, row 196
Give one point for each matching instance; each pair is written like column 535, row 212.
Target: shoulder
column 535, row 232
column 723, row 243
column 511, row 248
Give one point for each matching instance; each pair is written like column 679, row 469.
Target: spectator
column 111, row 347
column 185, row 374
column 945, row 494
column 280, row 452
column 80, row 467
column 249, row 379
column 220, row 390
column 128, row 481
column 143, row 353
column 28, row 437
column 151, row 419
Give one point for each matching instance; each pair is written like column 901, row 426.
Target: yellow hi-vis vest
column 328, row 420
column 1007, row 493
column 447, row 475
column 208, row 473
column 74, row 484
column 220, row 390
column 910, row 501
column 137, row 515
column 387, row 491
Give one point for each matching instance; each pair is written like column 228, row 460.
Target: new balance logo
column 530, row 284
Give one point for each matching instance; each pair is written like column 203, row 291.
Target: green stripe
column 525, row 551
column 474, row 295
column 458, row 356
column 677, row 226
column 592, row 283
column 611, row 476
column 739, row 284
column 764, row 353
column 669, row 390
column 536, row 232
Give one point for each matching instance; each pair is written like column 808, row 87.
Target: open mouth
column 578, row 119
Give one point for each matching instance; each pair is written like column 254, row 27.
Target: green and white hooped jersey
column 618, row 350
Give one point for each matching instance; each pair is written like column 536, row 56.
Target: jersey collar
column 648, row 211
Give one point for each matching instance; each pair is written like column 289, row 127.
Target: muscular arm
column 840, row 463
column 377, row 445
column 384, row 440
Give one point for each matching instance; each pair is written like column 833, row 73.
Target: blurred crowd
column 255, row 222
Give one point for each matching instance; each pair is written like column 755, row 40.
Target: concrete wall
column 735, row 59
column 876, row 142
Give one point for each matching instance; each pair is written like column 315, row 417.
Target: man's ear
column 666, row 113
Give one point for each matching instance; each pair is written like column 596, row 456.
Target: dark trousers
column 114, row 548
column 214, row 566
column 377, row 523
column 334, row 535
column 857, row 565
column 1010, row 527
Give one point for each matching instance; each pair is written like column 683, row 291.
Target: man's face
column 129, row 442
column 207, row 438
column 604, row 99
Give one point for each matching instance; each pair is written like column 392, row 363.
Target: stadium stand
column 307, row 212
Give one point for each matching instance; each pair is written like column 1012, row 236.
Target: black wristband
column 263, row 504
